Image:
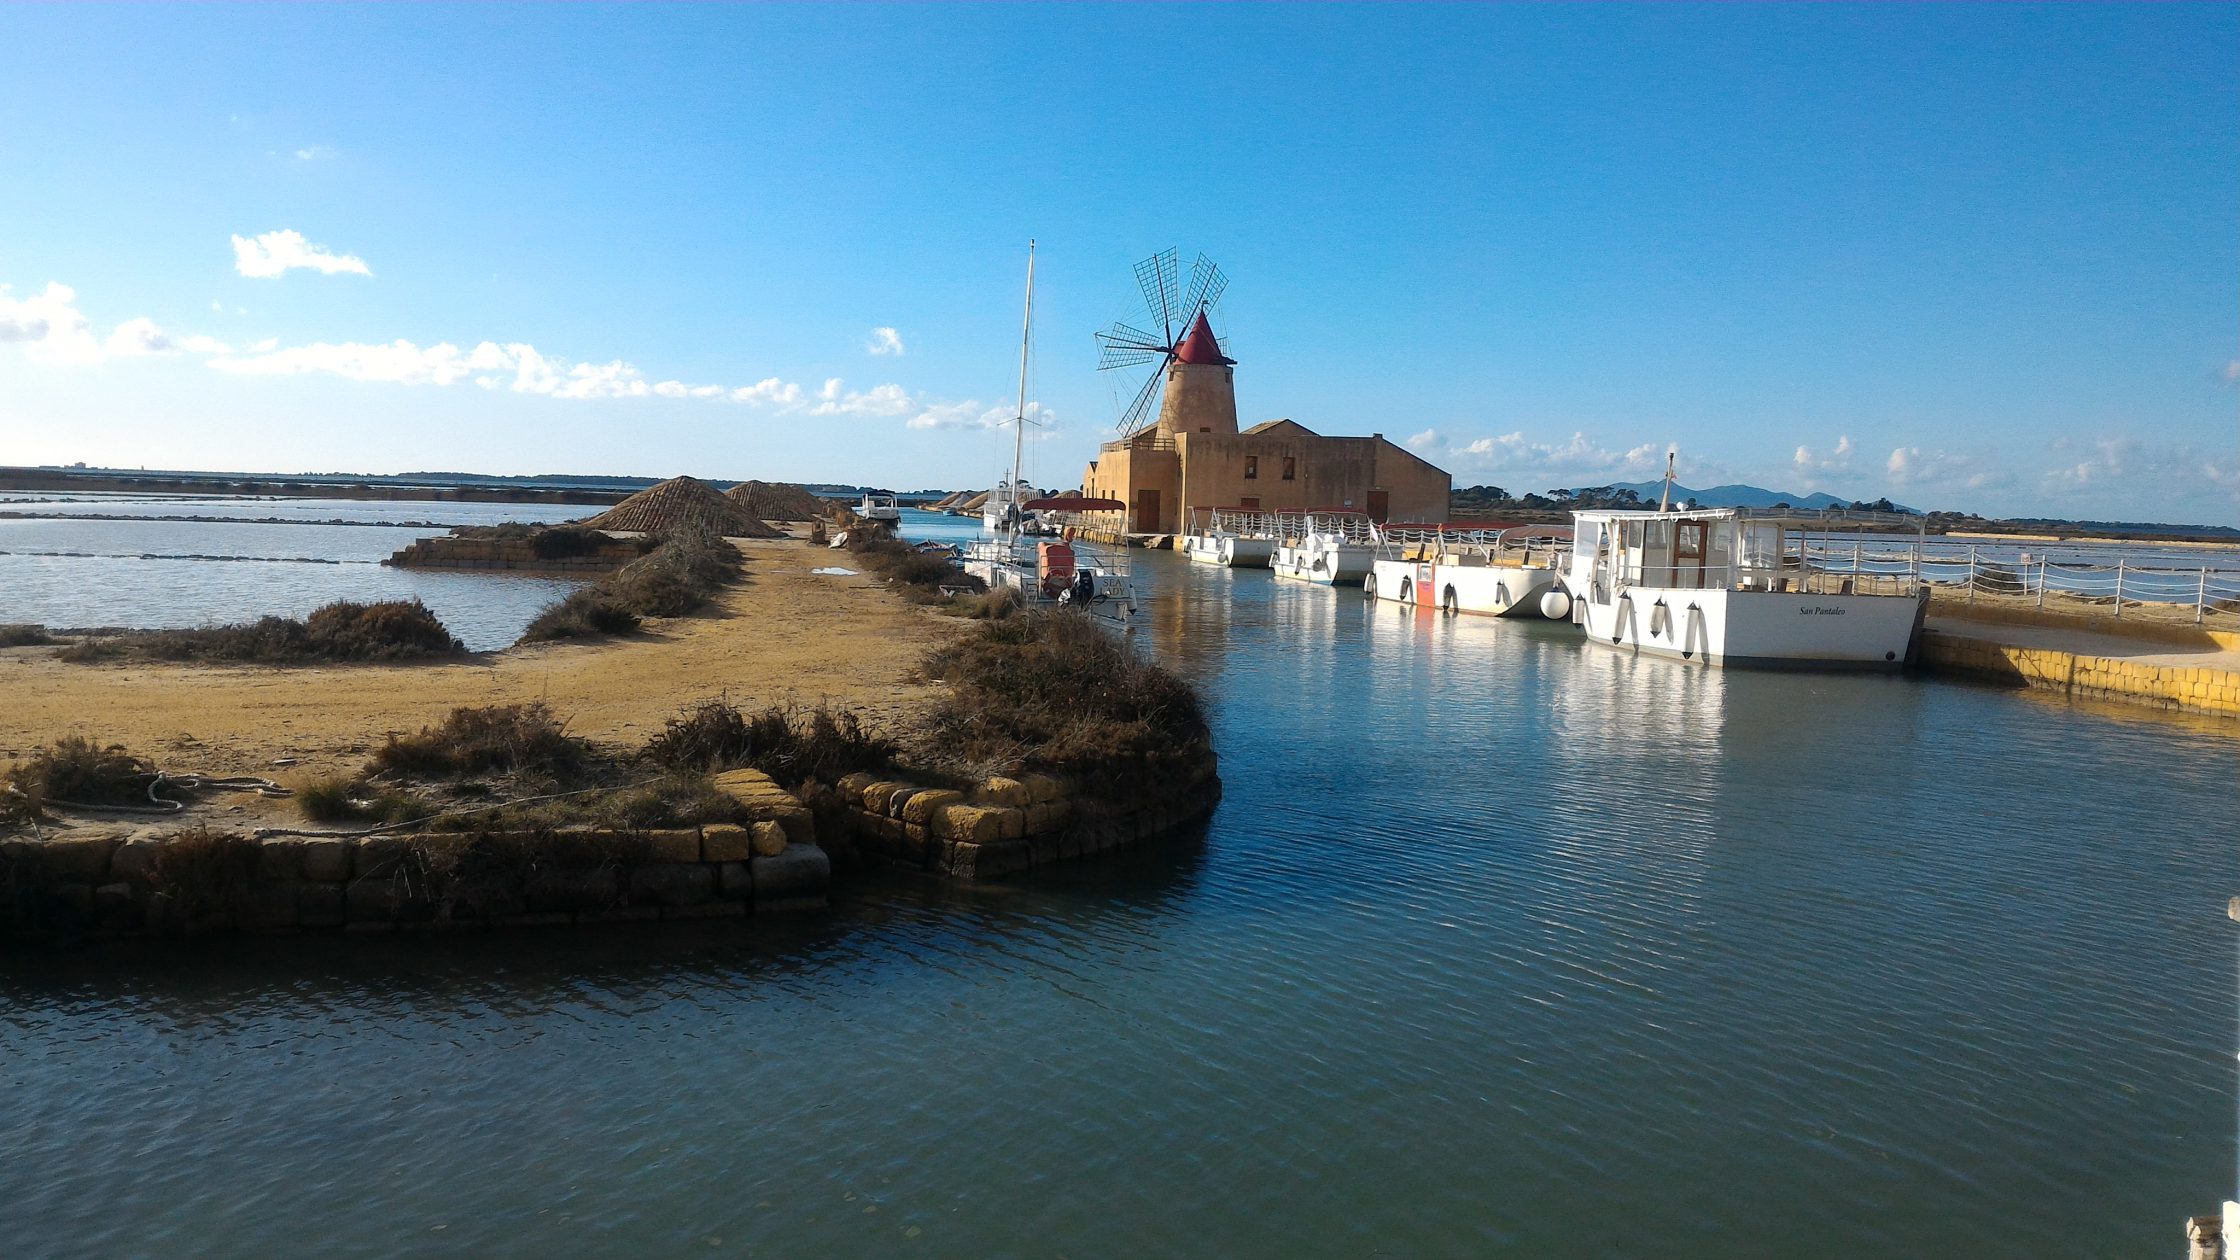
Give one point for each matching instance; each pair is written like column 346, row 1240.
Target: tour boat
column 1326, row 547
column 1738, row 586
column 1499, row 572
column 1236, row 538
column 879, row 506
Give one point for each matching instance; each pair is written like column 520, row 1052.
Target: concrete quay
column 2167, row 667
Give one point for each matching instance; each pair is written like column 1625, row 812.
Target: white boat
column 1052, row 573
column 879, row 506
column 1739, row 586
column 1236, row 539
column 1045, row 572
column 1327, row 548
column 1501, row 572
column 1005, row 509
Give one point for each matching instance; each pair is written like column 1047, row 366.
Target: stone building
column 1196, row 457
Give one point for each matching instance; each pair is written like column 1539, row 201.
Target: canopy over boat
column 1074, row 503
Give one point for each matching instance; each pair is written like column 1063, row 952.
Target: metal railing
column 2207, row 589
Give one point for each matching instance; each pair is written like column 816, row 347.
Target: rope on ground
column 262, row 832
column 193, row 781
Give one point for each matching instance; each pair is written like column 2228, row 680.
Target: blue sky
column 1966, row 257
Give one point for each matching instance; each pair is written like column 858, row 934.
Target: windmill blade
column 1206, row 284
column 1132, row 418
column 1157, row 276
column 1119, row 356
column 1127, row 347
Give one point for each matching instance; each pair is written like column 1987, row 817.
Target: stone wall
column 110, row 883
column 448, row 552
column 2194, row 689
column 1004, row 825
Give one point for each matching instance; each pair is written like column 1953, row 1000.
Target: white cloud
column 970, row 414
column 884, row 341
column 879, row 400
column 52, row 329
column 141, row 336
column 1837, row 460
column 49, row 326
column 2125, row 463
column 2231, row 372
column 769, row 392
column 316, row 153
column 274, row 254
column 1514, row 454
column 1424, row 441
column 1943, row 470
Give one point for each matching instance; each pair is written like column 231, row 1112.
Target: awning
column 1074, row 503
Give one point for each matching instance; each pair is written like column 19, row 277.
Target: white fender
column 1556, row 604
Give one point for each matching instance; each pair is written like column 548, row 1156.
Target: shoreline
column 780, row 635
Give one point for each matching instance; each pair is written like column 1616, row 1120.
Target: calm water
column 58, row 568
column 1500, row 943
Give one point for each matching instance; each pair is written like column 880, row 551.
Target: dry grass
column 79, row 771
column 679, row 576
column 19, row 634
column 519, row 738
column 393, row 630
column 210, row 876
column 586, row 613
column 788, row 743
column 1050, row 689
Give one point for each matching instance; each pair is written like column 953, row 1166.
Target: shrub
column 918, row 574
column 1050, row 689
column 18, row 634
column 524, row 738
column 391, row 630
column 587, row 612
column 352, row 800
column 710, row 736
column 678, row 576
column 396, row 629
column 563, row 541
column 77, row 770
column 787, row 743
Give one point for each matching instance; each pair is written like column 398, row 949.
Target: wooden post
column 2119, row 586
column 1971, row 573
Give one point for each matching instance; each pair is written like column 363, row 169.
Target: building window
column 1290, row 468
column 1252, row 468
column 1250, row 504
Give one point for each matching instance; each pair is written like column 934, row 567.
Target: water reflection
column 1495, row 936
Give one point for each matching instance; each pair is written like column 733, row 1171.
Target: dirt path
column 784, row 634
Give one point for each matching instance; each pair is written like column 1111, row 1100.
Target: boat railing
column 1529, row 545
column 1795, row 575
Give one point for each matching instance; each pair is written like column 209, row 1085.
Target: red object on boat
column 1074, row 503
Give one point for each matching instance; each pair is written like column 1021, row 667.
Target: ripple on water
column 1496, row 942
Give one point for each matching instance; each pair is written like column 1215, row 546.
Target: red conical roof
column 1199, row 346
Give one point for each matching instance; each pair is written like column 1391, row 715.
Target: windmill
column 1174, row 311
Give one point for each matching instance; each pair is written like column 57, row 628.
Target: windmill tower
column 1198, row 377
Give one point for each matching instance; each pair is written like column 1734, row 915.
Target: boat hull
column 1756, row 629
column 1230, row 550
column 1326, row 564
column 1493, row 590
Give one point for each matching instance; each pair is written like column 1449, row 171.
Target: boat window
column 1252, row 468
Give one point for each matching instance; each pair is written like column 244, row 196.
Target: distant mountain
column 1731, row 496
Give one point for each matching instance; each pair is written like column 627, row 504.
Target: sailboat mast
column 1019, row 421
